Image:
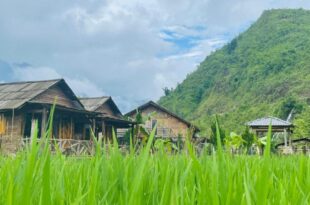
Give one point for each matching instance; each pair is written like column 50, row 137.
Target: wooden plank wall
column 11, row 138
column 15, row 129
column 107, row 109
column 49, row 97
column 2, row 124
column 66, row 129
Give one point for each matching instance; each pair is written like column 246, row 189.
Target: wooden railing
column 69, row 146
column 87, row 147
column 294, row 150
column 65, row 146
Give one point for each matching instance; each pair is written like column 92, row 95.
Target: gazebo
column 260, row 126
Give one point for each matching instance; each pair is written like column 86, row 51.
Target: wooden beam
column 12, row 128
column 60, row 129
column 94, row 127
column 103, row 130
column 84, row 133
column 133, row 133
column 71, row 128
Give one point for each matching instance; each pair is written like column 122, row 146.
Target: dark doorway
column 32, row 121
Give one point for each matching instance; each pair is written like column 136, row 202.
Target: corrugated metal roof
column 14, row 95
column 265, row 121
column 92, row 104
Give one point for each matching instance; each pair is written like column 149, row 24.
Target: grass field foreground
column 35, row 176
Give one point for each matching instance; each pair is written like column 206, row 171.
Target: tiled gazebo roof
column 266, row 121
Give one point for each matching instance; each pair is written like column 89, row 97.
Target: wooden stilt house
column 25, row 105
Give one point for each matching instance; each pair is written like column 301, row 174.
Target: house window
column 165, row 132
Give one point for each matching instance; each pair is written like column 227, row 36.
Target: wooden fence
column 65, row 146
column 294, row 150
column 87, row 147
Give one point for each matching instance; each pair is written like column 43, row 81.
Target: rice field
column 35, row 176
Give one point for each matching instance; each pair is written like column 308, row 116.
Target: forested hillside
column 264, row 71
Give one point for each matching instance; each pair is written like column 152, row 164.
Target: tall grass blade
column 218, row 139
column 267, row 150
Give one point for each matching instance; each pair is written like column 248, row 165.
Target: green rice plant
column 36, row 176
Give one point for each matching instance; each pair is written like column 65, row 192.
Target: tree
column 167, row 91
column 232, row 46
column 302, row 124
column 287, row 106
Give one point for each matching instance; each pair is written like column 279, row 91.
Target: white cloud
column 82, row 87
column 184, row 55
column 118, row 46
column 30, row 73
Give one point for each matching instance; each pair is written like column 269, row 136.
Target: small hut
column 260, row 127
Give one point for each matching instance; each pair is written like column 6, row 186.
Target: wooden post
column 33, row 127
column 43, row 125
column 133, row 133
column 84, row 132
column 12, row 128
column 103, row 130
column 60, row 129
column 94, row 127
column 71, row 128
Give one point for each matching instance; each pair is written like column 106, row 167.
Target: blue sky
column 127, row 49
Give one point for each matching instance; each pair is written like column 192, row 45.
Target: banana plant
column 234, row 141
column 165, row 145
column 261, row 142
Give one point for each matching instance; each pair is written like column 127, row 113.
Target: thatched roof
column 266, row 121
column 15, row 95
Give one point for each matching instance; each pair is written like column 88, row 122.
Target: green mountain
column 264, row 71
